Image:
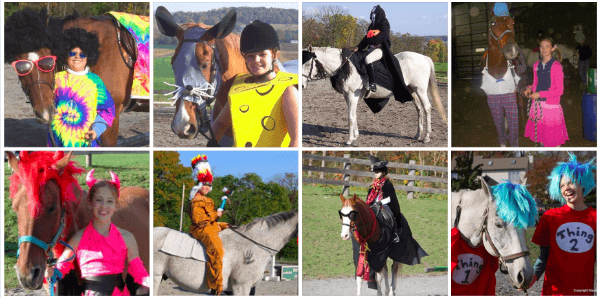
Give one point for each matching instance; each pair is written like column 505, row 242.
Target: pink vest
column 99, row 255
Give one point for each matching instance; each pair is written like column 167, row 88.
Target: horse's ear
column 63, row 162
column 165, row 22
column 524, row 182
column 310, row 47
column 486, row 188
column 341, row 197
column 12, row 161
column 225, row 26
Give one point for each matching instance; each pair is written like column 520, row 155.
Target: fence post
column 411, row 194
column 88, row 159
column 346, row 190
column 310, row 165
column 322, row 176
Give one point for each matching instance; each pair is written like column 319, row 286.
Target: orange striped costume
column 206, row 229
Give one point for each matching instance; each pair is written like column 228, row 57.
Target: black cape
column 380, row 22
column 406, row 251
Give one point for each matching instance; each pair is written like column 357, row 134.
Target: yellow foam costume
column 256, row 111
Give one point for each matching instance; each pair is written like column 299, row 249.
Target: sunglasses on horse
column 81, row 54
column 351, row 215
column 45, row 64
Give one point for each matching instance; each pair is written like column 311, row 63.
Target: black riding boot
column 370, row 73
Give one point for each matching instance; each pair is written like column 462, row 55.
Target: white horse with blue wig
column 497, row 217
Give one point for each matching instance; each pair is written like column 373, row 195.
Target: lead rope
column 533, row 106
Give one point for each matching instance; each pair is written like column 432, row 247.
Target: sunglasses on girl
column 45, row 64
column 81, row 54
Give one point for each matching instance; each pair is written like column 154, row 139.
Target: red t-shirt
column 473, row 269
column 571, row 236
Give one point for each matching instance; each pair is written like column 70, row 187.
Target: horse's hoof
column 426, row 140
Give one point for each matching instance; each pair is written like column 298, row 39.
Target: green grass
column 133, row 170
column 441, row 67
column 325, row 254
column 165, row 46
column 163, row 73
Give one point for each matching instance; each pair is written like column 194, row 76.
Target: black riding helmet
column 258, row 36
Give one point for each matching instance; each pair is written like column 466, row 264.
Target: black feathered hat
column 78, row 38
column 258, row 36
column 376, row 164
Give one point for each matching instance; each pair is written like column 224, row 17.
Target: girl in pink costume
column 101, row 248
column 545, row 94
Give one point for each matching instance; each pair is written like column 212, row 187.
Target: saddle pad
column 139, row 27
column 184, row 246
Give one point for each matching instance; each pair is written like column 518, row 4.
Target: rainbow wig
column 515, row 205
column 580, row 173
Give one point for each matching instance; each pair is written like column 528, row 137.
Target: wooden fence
column 348, row 173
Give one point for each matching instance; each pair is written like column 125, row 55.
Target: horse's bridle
column 351, row 216
column 321, row 73
column 46, row 247
column 27, row 88
column 501, row 35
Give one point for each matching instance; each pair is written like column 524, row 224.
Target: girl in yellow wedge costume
column 262, row 106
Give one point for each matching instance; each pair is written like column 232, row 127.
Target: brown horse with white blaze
column 51, row 206
column 30, row 35
column 205, row 63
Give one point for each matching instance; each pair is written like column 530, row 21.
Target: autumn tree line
column 252, row 196
column 62, row 9
column 285, row 21
column 537, row 174
column 333, row 26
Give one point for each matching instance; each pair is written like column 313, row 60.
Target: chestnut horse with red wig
column 51, row 206
column 205, row 63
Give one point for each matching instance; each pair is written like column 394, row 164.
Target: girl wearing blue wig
column 567, row 235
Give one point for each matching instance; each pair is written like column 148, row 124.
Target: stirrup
column 372, row 87
column 396, row 238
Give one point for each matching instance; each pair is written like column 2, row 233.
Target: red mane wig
column 36, row 169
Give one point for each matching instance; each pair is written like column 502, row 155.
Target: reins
column 321, row 73
column 268, row 249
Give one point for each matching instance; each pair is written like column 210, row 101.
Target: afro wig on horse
column 580, row 173
column 28, row 31
column 515, row 205
column 72, row 38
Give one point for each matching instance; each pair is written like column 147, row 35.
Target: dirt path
column 434, row 285
column 265, row 288
column 22, row 130
column 325, row 121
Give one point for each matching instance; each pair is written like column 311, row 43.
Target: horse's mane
column 515, row 205
column 271, row 220
column 580, row 173
column 37, row 168
column 28, row 31
column 337, row 80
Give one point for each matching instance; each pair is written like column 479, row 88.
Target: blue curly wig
column 515, row 205
column 580, row 173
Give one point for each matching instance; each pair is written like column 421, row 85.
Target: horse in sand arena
column 51, row 207
column 419, row 75
column 30, row 35
column 248, row 249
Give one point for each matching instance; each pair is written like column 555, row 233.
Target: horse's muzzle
column 45, row 116
column 33, row 279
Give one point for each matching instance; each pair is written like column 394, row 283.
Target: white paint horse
column 475, row 214
column 418, row 72
column 244, row 260
column 355, row 215
column 568, row 53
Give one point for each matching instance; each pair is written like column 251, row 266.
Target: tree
column 169, row 176
column 290, row 182
column 467, row 175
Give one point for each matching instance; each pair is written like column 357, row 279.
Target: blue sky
column 414, row 18
column 206, row 6
column 237, row 163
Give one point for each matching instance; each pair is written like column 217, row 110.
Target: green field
column 441, row 67
column 133, row 170
column 325, row 254
column 163, row 73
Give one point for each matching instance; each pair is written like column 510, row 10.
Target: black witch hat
column 377, row 164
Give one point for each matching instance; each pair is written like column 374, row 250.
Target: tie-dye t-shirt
column 79, row 99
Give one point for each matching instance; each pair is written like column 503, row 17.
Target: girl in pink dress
column 546, row 124
column 102, row 249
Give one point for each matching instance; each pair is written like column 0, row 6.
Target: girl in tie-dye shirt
column 84, row 108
